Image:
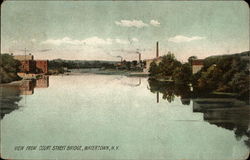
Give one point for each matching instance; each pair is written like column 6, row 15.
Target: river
column 125, row 112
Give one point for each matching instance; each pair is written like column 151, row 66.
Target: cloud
column 97, row 41
column 120, row 41
column 131, row 23
column 44, row 50
column 88, row 41
column 181, row 38
column 155, row 23
column 91, row 41
column 33, row 40
column 134, row 39
column 65, row 40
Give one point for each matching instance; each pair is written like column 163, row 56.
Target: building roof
column 153, row 59
column 198, row 62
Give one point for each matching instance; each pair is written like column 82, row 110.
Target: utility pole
column 25, row 53
column 139, row 54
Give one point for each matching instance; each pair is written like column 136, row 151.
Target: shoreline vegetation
column 59, row 66
column 9, row 67
column 220, row 75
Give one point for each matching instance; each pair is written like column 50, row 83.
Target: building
column 28, row 66
column 157, row 59
column 197, row 64
column 42, row 82
column 149, row 61
column 27, row 87
column 42, row 66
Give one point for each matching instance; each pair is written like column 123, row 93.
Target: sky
column 105, row 30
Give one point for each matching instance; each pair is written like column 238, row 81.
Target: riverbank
column 8, row 77
column 106, row 72
column 185, row 90
column 22, row 77
column 8, row 69
column 13, row 84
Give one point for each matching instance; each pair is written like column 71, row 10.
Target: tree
column 183, row 74
column 211, row 79
column 153, row 69
column 8, row 68
column 168, row 65
column 134, row 63
column 240, row 83
column 190, row 59
column 128, row 65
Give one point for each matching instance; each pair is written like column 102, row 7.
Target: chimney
column 157, row 49
column 139, row 57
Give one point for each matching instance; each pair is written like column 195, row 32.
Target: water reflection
column 9, row 98
column 229, row 113
column 10, row 94
column 135, row 82
column 170, row 90
column 27, row 86
column 42, row 82
column 120, row 110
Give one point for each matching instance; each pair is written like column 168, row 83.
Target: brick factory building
column 42, row 66
column 29, row 65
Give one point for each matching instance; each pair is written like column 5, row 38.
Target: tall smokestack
column 139, row 57
column 157, row 49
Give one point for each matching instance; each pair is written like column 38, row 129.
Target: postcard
column 125, row 80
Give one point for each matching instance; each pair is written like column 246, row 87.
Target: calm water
column 115, row 110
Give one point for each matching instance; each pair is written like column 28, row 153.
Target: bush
column 8, row 68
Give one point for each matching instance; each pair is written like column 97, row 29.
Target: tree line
column 227, row 73
column 58, row 65
column 8, row 68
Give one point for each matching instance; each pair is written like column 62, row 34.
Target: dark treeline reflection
column 235, row 119
column 221, row 110
column 9, row 98
column 170, row 90
column 10, row 95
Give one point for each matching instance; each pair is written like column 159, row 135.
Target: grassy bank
column 8, row 69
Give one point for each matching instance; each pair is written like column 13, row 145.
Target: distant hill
column 84, row 61
column 244, row 55
column 74, row 64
